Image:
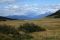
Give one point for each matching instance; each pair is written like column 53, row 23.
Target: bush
column 30, row 27
column 6, row 29
column 12, row 33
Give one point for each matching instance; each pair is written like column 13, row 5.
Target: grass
column 30, row 27
column 10, row 33
column 52, row 25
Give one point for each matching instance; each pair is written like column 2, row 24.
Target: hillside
column 55, row 15
column 5, row 18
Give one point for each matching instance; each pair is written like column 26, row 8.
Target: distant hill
column 22, row 17
column 5, row 18
column 55, row 15
column 30, row 16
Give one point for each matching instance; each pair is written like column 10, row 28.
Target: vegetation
column 51, row 24
column 12, row 33
column 7, row 29
column 32, row 30
column 31, row 27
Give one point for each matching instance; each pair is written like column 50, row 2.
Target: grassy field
column 52, row 26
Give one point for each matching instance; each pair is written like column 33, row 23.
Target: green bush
column 30, row 27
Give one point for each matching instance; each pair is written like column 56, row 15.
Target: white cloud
column 23, row 9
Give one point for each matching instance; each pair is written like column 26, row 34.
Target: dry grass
column 47, row 35
column 12, row 23
column 52, row 26
column 53, row 32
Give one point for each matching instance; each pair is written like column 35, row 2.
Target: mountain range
column 29, row 16
column 32, row 16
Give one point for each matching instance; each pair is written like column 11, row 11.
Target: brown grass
column 52, row 26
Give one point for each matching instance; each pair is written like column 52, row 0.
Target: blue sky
column 21, row 7
column 42, row 2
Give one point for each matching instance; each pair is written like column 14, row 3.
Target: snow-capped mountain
column 30, row 15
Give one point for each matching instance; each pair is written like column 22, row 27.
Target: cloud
column 14, row 9
column 7, row 1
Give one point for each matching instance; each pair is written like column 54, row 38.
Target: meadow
column 51, row 25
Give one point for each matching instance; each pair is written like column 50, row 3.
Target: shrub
column 7, row 29
column 30, row 27
column 12, row 33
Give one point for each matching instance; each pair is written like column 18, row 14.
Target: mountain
column 5, row 18
column 44, row 15
column 55, row 15
column 21, row 17
column 29, row 16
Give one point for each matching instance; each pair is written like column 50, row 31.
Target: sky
column 22, row 7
